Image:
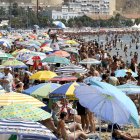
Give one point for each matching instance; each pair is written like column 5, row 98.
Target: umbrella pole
column 74, row 125
column 112, row 130
column 100, row 127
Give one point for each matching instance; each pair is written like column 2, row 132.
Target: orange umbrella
column 61, row 54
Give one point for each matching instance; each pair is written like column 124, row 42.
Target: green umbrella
column 14, row 63
column 9, row 55
column 23, row 111
column 5, row 56
column 56, row 59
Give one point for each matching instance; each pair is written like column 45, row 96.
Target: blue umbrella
column 103, row 104
column 129, row 88
column 112, row 90
column 32, row 45
column 5, row 42
column 92, row 78
column 123, row 73
column 59, row 24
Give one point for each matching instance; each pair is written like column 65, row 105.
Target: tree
column 15, row 9
column 137, row 21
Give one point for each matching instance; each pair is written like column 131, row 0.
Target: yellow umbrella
column 43, row 75
column 13, row 97
column 15, row 53
column 46, row 49
column 72, row 42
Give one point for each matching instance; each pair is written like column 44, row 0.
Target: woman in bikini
column 67, row 132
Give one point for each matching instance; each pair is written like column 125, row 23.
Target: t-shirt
column 8, row 86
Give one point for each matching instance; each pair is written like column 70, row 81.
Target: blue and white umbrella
column 5, row 43
column 103, row 104
column 69, row 69
column 59, row 24
column 25, row 128
column 129, row 88
column 121, row 96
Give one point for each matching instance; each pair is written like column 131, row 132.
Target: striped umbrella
column 25, row 128
column 90, row 61
column 71, row 69
column 129, row 88
column 13, row 97
column 64, row 78
column 41, row 90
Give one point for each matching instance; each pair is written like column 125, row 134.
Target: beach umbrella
column 90, row 61
column 14, row 63
column 71, row 50
column 92, row 78
column 121, row 96
column 24, row 129
column 69, row 69
column 41, row 90
column 65, row 91
column 61, row 53
column 63, row 78
column 16, row 52
column 123, row 73
column 32, row 46
column 23, row 111
column 129, row 88
column 103, row 104
column 5, row 43
column 72, row 42
column 9, row 56
column 13, row 97
column 46, row 49
column 43, row 75
column 56, row 59
column 59, row 24
column 3, row 56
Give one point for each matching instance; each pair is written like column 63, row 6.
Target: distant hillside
column 128, row 6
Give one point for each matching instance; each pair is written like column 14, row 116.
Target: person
column 113, row 80
column 7, row 81
column 124, row 135
column 26, row 80
column 83, row 114
column 71, row 132
column 19, row 86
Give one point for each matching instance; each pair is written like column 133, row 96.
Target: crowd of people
column 84, row 125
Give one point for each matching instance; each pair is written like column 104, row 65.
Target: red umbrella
column 61, row 54
column 63, row 78
column 36, row 58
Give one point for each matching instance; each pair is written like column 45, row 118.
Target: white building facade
column 75, row 8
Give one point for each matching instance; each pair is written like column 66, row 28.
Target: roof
column 131, row 16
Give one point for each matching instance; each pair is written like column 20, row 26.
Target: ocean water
column 126, row 39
